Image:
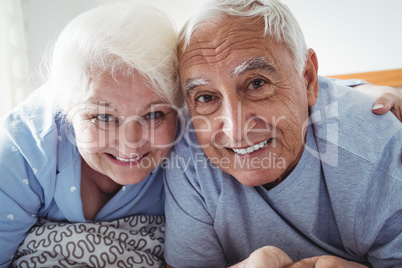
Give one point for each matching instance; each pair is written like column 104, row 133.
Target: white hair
column 279, row 23
column 118, row 37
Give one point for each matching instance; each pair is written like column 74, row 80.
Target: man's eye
column 256, row 83
column 204, row 98
column 206, row 104
column 155, row 115
column 105, row 118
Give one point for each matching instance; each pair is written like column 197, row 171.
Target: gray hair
column 118, row 37
column 279, row 23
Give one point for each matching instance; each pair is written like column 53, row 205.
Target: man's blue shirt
column 343, row 198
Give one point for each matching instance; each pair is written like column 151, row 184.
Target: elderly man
column 278, row 162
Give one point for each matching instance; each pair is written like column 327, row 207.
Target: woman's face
column 123, row 129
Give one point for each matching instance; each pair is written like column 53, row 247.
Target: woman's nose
column 133, row 132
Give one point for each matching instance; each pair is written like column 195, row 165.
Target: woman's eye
column 155, row 115
column 105, row 118
column 105, row 121
column 204, row 98
column 256, row 83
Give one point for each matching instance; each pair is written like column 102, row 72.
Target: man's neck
column 291, row 167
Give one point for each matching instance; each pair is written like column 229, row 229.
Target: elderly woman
column 87, row 146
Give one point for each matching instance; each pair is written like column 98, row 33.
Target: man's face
column 248, row 103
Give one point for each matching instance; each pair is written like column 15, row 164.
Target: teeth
column 251, row 148
column 128, row 160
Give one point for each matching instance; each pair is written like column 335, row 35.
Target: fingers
column 383, row 104
column 388, row 99
column 305, row 263
column 324, row 262
column 282, row 259
column 380, row 108
column 389, row 102
column 266, row 257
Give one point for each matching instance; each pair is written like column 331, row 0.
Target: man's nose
column 238, row 119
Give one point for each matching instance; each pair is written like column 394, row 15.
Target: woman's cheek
column 164, row 135
column 90, row 138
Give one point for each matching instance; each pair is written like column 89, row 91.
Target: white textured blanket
column 135, row 241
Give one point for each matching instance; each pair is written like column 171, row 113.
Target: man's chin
column 255, row 177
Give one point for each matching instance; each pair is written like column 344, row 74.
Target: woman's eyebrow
column 254, row 64
column 101, row 103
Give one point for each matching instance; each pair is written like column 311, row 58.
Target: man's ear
column 311, row 77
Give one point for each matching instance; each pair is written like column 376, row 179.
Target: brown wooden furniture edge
column 391, row 78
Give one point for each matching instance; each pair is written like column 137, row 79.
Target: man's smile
column 251, row 149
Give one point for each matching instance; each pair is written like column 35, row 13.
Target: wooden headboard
column 391, row 78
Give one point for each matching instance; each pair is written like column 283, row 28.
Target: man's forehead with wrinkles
column 210, row 41
column 234, row 46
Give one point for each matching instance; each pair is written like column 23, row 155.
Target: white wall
column 46, row 18
column 352, row 36
column 348, row 36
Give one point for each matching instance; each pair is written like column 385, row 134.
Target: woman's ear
column 311, row 77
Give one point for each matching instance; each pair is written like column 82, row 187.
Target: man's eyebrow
column 254, row 64
column 192, row 83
